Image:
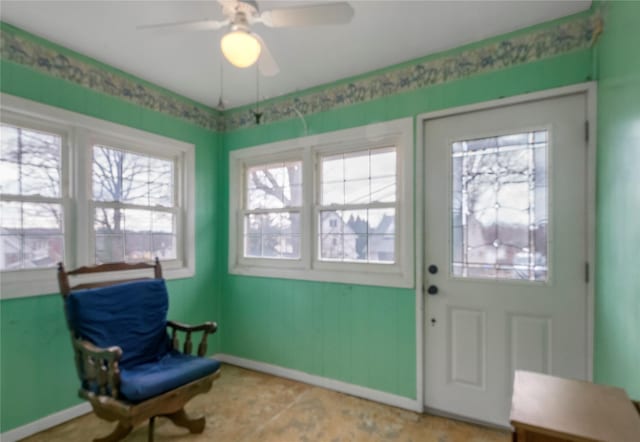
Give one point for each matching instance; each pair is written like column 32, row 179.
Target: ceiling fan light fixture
column 241, row 48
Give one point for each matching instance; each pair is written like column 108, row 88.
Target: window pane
column 332, row 168
column 500, row 207
column 383, row 190
column 333, row 193
column 272, row 235
column 134, row 235
column 357, row 192
column 356, row 166
column 274, row 186
column 126, row 177
column 32, row 235
column 30, row 162
column 359, row 177
column 383, row 163
column 163, row 236
column 109, row 241
column 365, row 235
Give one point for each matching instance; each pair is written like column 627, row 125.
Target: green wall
column 617, row 356
column 37, row 371
column 357, row 334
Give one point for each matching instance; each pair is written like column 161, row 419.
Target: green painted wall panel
column 37, row 372
column 324, row 329
column 617, row 352
column 357, row 334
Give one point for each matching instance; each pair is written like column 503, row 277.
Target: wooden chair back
column 66, row 288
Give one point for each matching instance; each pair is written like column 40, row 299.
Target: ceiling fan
column 243, row 47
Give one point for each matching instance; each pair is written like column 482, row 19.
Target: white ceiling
column 382, row 33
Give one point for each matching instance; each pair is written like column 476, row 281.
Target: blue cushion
column 131, row 315
column 174, row 369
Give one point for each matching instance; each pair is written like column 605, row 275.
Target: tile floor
column 244, row 405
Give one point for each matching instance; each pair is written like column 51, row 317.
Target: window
column 83, row 191
column 134, row 206
column 31, row 210
column 358, row 204
column 499, row 205
column 332, row 207
column 273, row 199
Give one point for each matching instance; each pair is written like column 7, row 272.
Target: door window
column 499, row 207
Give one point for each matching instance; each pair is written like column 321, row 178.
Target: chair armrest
column 206, row 328
column 98, row 368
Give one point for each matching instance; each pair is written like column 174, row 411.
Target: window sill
column 374, row 277
column 23, row 284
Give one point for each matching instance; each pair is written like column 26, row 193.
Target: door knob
column 433, row 269
column 432, row 290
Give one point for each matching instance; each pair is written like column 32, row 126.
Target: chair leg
column 181, row 419
column 117, row 434
column 152, row 422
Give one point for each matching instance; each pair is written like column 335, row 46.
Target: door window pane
column 499, row 207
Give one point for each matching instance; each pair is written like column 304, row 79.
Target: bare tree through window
column 134, row 206
column 272, row 215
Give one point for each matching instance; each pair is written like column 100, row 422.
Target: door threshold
column 458, row 417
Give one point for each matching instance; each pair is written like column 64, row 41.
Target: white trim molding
column 46, row 422
column 319, row 381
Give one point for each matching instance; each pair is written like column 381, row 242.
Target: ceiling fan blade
column 189, row 25
column 266, row 63
column 312, row 15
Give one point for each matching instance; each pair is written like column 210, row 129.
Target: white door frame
column 590, row 91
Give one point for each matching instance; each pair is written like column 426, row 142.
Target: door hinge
column 586, row 131
column 586, row 272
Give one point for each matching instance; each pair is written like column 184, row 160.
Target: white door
column 505, row 248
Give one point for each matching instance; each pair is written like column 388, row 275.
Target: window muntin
column 499, row 207
column 358, row 206
column 31, row 205
column 135, row 209
column 271, row 218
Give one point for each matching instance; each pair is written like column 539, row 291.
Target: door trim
column 590, row 91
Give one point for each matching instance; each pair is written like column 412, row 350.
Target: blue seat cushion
column 131, row 315
column 173, row 370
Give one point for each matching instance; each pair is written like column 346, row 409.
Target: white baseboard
column 319, row 381
column 45, row 423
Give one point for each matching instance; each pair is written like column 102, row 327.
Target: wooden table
column 548, row 408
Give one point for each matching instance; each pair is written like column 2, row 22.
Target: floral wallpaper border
column 19, row 47
column 537, row 45
column 580, row 33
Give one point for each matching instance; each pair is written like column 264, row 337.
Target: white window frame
column 398, row 133
column 81, row 134
column 290, row 155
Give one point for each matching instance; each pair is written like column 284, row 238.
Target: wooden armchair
column 130, row 369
